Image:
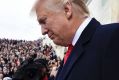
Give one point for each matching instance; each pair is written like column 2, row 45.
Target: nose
column 44, row 30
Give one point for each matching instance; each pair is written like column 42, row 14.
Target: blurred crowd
column 14, row 52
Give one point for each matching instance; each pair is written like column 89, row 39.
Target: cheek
column 58, row 25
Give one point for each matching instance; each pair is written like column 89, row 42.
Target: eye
column 42, row 20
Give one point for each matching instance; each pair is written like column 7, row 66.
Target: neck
column 75, row 24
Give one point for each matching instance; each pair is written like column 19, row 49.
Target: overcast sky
column 16, row 21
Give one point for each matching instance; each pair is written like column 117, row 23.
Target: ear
column 68, row 10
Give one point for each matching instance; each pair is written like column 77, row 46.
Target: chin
column 59, row 43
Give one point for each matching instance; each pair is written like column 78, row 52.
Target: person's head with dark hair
column 32, row 70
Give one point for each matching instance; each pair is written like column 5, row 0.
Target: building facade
column 106, row 11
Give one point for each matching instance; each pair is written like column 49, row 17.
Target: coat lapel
column 78, row 49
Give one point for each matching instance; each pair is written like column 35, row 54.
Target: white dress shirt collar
column 80, row 30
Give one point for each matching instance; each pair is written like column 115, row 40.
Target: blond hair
column 79, row 3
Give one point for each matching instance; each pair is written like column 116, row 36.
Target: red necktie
column 70, row 47
column 45, row 78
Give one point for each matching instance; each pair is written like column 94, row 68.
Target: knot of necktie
column 70, row 47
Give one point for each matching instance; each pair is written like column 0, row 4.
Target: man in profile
column 93, row 52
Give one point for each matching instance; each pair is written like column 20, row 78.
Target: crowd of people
column 14, row 52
